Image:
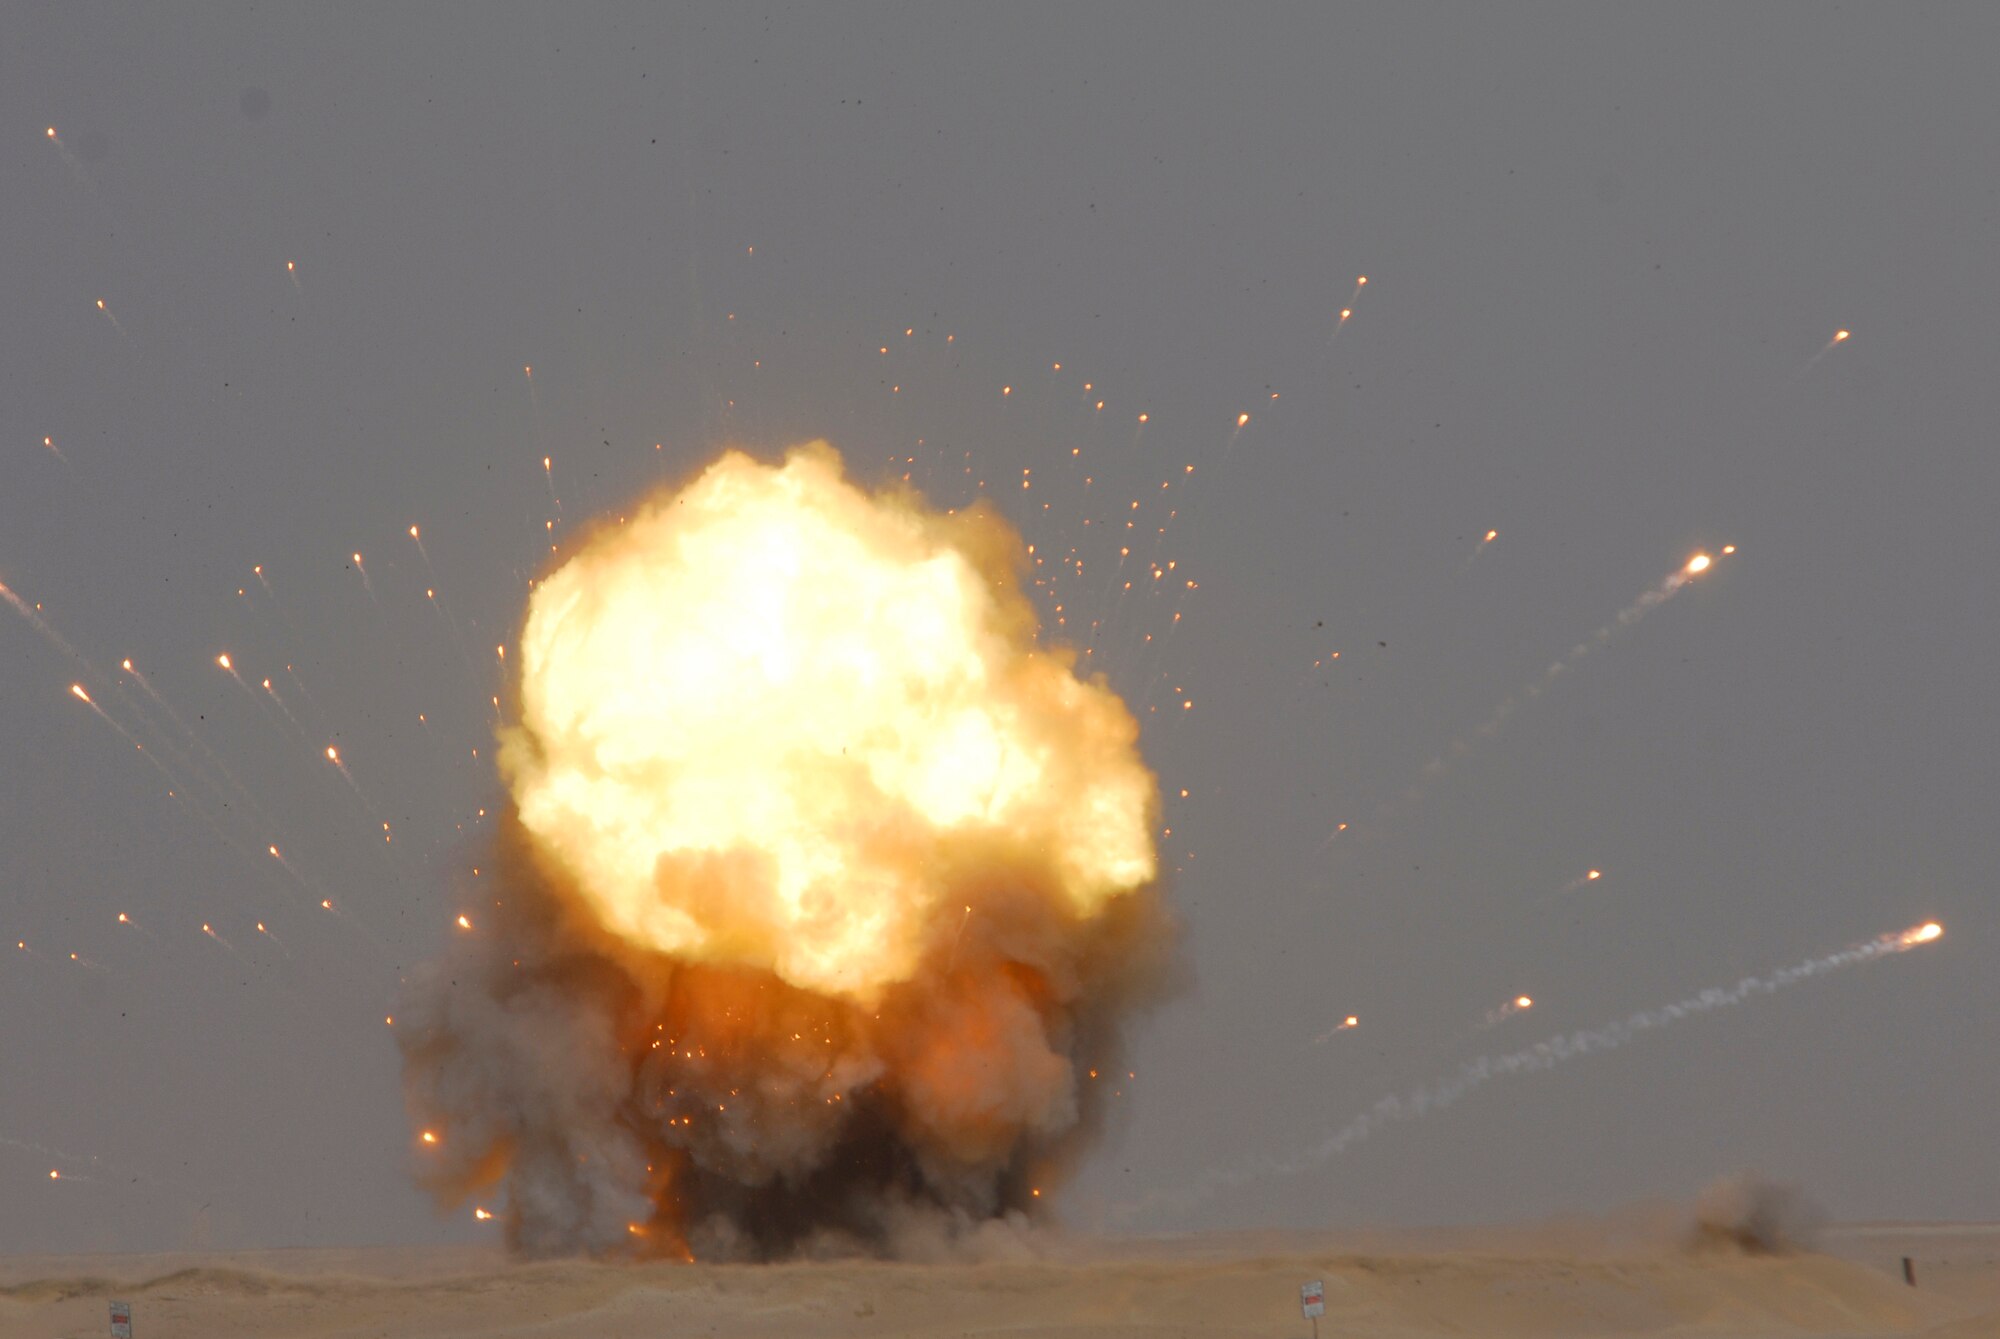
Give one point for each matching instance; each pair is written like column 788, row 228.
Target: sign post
column 121, row 1320
column 1312, row 1301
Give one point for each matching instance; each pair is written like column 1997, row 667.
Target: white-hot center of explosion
column 772, row 720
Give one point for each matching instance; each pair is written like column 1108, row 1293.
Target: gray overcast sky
column 1603, row 246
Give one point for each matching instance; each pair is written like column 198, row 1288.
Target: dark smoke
column 600, row 1098
column 1751, row 1214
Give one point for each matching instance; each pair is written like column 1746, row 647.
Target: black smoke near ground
column 1754, row 1215
column 600, row 1098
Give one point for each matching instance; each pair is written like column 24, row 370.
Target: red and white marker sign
column 1312, row 1299
column 121, row 1320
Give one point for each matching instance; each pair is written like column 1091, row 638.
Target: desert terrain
column 1549, row 1280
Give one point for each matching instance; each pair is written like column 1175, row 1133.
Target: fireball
column 824, row 884
column 762, row 724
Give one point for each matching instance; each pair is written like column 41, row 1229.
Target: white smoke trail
column 1463, row 745
column 1542, row 1056
column 1671, row 586
column 61, row 1157
column 96, row 1168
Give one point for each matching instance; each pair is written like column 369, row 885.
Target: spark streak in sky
column 1347, row 1024
column 174, row 787
column 49, row 634
column 1543, row 1056
column 1672, row 584
column 1582, row 881
column 272, row 693
column 1499, row 1014
column 70, row 160
column 1839, row 337
column 333, row 756
column 193, row 740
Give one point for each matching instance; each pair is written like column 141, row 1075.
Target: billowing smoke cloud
column 825, row 891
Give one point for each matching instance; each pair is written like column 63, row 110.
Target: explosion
column 824, row 891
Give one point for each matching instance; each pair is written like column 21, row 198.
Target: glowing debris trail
column 277, row 605
column 187, row 732
column 1485, row 543
column 177, row 790
column 174, row 786
column 437, row 603
column 1839, row 337
column 1520, row 1004
column 1347, row 1024
column 50, row 444
column 1580, row 882
column 102, row 1166
column 333, row 756
column 45, row 1153
column 366, row 584
column 1674, row 582
column 272, row 693
column 229, row 666
column 361, row 796
column 1539, row 1058
column 88, row 964
column 49, row 634
column 69, row 159
column 304, row 692
column 1360, row 282
column 1672, row 585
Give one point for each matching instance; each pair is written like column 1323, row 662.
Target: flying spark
column 1539, row 1058
column 1347, row 1024
column 1839, row 337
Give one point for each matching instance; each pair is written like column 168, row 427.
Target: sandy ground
column 1542, row 1281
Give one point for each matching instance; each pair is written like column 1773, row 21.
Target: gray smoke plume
column 600, row 1098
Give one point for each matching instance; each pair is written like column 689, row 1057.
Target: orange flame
column 916, row 697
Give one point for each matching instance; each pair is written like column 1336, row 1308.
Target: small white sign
column 1312, row 1299
column 121, row 1320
